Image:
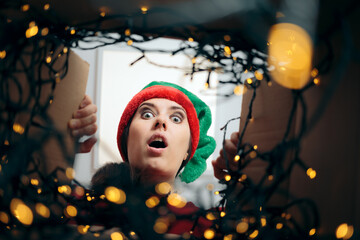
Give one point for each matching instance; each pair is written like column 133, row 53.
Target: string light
column 116, row 236
column 115, row 195
column 4, row 217
column 316, row 81
column 32, row 30
column 70, row 173
column 227, row 177
column 312, row 232
column 176, row 200
column 163, row 188
column 254, row 234
column 18, row 128
column 42, row 210
column 152, row 202
column 236, row 158
column 311, row 173
column 46, row 6
column 25, row 7
column 209, row 234
column 21, row 211
column 127, row 32
column 144, row 10
column 227, row 38
column 344, row 231
column 2, row 54
column 242, row 227
column 190, row 39
column 210, row 216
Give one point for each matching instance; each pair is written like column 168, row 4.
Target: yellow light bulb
column 163, row 188
column 314, row 72
column 311, row 173
column 152, row 202
column 254, row 234
column 31, row 31
column 2, row 54
column 249, row 81
column 161, row 226
column 42, row 210
column 210, row 216
column 144, row 10
column 236, row 158
column 242, row 227
column 21, row 211
column 46, row 7
column 115, row 195
column 18, row 128
column 279, row 226
column 190, row 39
column 255, row 147
column 209, row 234
column 316, row 81
column 259, row 75
column 4, row 217
column 227, row 38
column 227, row 177
column 116, row 236
column 70, row 173
column 312, row 232
column 102, row 14
column 239, row 90
column 130, row 42
column 48, row 59
column 222, row 214
column 72, row 32
column 228, row 237
column 290, row 52
column 25, row 7
column 127, row 32
column 263, row 221
column 176, row 200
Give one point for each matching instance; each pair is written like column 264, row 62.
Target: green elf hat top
column 199, row 118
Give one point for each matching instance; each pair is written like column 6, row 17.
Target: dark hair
column 111, row 174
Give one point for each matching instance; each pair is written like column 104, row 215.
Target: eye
column 147, row 115
column 176, row 119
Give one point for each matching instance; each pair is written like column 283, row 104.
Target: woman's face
column 158, row 141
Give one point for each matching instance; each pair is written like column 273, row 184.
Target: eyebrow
column 153, row 105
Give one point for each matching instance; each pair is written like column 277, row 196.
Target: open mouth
column 157, row 142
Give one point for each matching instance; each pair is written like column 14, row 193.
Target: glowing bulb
column 242, row 227
column 254, row 234
column 39, row 191
column 18, row 128
column 269, row 84
column 163, row 188
column 116, row 236
column 216, row 192
column 190, row 39
column 252, row 154
column 161, row 226
column 193, row 60
column 263, row 221
column 255, row 147
column 222, row 214
column 70, row 211
column 206, row 86
column 34, row 181
column 127, row 32
column 209, row 234
column 311, row 173
column 228, row 237
column 227, row 177
column 2, row 54
column 103, row 14
column 70, row 173
column 312, row 232
column 144, row 10
column 210, row 216
column 227, row 38
column 130, row 42
column 259, row 75
column 48, row 59
column 22, row 212
column 42, row 210
column 44, row 31
column 152, row 202
column 82, row 229
column 314, row 72
column 46, row 7
column 279, row 226
column 227, row 51
column 344, row 231
column 4, row 217
column 290, row 52
column 236, row 158
column 176, row 200
column 249, row 81
column 72, row 32
column 239, row 90
column 316, row 81
column 115, row 195
column 25, row 7
column 32, row 30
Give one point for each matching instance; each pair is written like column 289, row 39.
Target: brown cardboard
column 331, row 147
column 68, row 93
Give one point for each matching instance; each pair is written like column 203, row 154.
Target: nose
column 160, row 123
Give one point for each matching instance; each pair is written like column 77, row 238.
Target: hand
column 83, row 123
column 219, row 164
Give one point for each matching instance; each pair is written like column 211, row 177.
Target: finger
column 86, row 111
column 87, row 145
column 82, row 122
column 234, row 138
column 219, row 172
column 86, row 131
column 85, row 102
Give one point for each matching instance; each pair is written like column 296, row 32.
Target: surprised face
column 158, row 140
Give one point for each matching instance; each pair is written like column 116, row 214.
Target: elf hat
column 199, row 118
